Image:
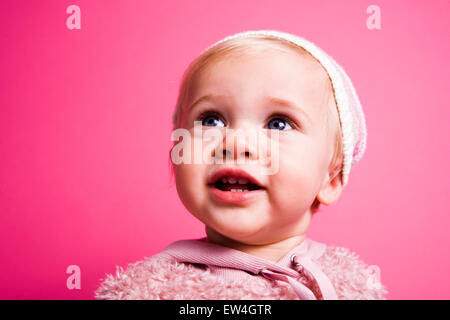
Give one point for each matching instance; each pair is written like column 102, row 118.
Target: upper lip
column 232, row 172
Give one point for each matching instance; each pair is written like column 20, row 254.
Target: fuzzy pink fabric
column 162, row 277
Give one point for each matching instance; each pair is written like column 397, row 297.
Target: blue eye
column 212, row 121
column 279, row 124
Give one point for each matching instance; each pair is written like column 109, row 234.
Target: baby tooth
column 224, row 180
column 243, row 181
column 232, row 180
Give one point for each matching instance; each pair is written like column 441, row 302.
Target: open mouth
column 234, row 180
column 233, row 184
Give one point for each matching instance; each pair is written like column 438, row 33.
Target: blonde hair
column 233, row 47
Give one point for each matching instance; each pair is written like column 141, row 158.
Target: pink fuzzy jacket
column 196, row 269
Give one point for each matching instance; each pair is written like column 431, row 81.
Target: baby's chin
column 238, row 226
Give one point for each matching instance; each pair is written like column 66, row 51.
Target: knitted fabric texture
column 351, row 115
column 162, row 277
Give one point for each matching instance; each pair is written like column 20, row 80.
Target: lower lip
column 234, row 197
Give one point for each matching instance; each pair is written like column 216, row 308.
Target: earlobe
column 331, row 190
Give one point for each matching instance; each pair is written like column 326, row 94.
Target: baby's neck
column 272, row 251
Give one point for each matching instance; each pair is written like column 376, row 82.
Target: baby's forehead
column 301, row 75
column 301, row 63
column 302, row 58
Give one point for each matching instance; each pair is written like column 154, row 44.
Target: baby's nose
column 239, row 147
column 227, row 154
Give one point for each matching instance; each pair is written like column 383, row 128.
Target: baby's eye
column 279, row 124
column 211, row 120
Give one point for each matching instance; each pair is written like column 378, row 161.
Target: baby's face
column 241, row 86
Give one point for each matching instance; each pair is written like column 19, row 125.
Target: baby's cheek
column 189, row 182
column 294, row 182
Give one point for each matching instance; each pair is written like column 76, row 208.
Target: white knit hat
column 351, row 116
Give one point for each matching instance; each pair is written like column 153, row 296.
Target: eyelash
column 284, row 117
column 209, row 113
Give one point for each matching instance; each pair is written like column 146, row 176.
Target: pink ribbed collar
column 288, row 269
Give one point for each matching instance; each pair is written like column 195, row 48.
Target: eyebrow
column 207, row 97
column 289, row 104
column 268, row 99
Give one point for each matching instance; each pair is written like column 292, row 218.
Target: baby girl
column 257, row 214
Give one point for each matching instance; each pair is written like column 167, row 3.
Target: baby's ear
column 331, row 189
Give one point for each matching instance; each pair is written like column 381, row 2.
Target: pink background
column 85, row 134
